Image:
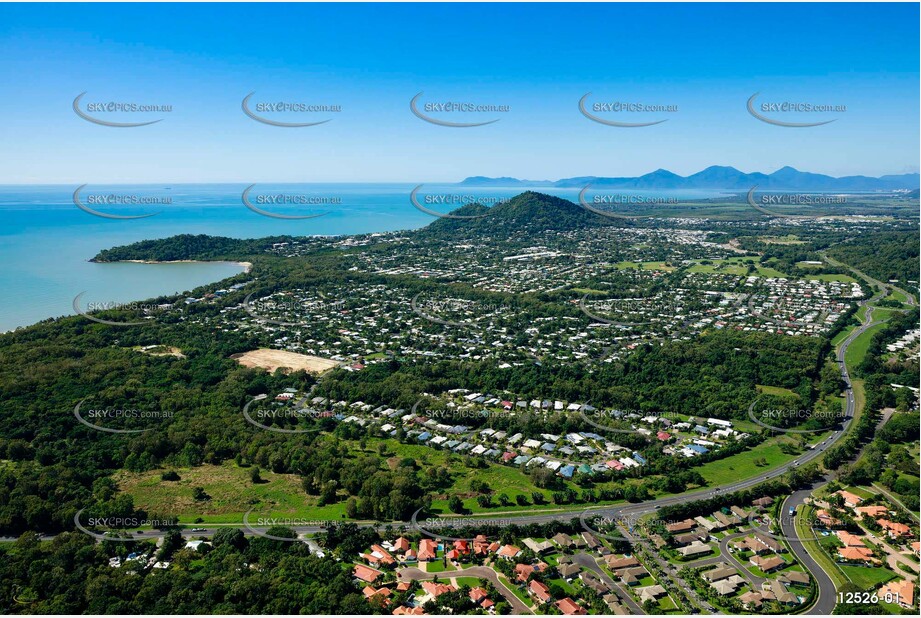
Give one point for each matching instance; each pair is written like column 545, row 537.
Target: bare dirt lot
column 270, row 360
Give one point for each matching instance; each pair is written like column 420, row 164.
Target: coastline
column 247, row 266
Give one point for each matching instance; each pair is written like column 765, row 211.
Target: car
column 199, row 530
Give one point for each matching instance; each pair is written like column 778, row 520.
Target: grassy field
column 868, row 577
column 473, row 582
column 742, row 465
column 644, row 266
column 858, row 348
column 828, row 277
column 775, row 390
column 231, row 492
column 789, row 239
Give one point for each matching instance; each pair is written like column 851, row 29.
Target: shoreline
column 247, row 266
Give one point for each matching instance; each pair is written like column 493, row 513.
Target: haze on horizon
column 202, row 60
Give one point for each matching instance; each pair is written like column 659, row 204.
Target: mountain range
column 720, row 178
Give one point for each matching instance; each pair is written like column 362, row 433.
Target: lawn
column 437, row 566
column 868, row 577
column 742, row 465
column 473, row 582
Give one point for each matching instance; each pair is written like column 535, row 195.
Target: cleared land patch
column 270, row 360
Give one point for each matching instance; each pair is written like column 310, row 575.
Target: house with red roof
column 428, row 550
column 539, row 591
column 366, row 573
column 570, row 607
column 508, row 552
column 894, row 529
column 850, row 500
column 401, row 545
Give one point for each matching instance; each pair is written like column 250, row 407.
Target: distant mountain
column 504, row 181
column 720, row 178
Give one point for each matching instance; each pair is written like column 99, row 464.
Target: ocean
column 47, row 240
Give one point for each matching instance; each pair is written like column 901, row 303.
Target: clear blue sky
column 371, row 59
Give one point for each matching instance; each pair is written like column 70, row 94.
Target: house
column 872, row 511
column 827, row 519
column 894, row 529
column 901, row 592
column 681, row 526
column 850, row 500
column 694, row 549
column 478, row 595
column 857, row 555
column 366, row 573
column 709, row 524
column 569, row 571
column 723, row 587
column 591, row 580
column 401, row 545
column 720, row 572
column 538, row 548
column 508, row 552
column 434, row 590
column 570, row 607
column 370, row 592
column 794, row 578
column 523, row 571
column 763, row 502
column 614, row 606
column 650, row 593
column 615, row 564
column 688, row 538
column 428, row 550
column 539, row 591
column 849, row 540
column 768, row 564
column 563, row 540
column 632, row 576
column 590, row 541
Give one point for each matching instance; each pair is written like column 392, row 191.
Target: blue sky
column 707, row 59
